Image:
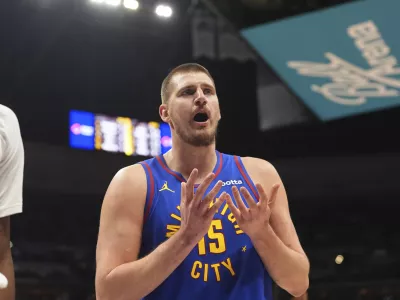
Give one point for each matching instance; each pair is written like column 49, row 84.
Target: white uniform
column 11, row 163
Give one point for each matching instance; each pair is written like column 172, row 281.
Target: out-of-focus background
column 311, row 85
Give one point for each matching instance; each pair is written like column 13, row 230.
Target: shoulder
column 130, row 177
column 133, row 179
column 261, row 170
column 130, row 172
column 258, row 165
column 9, row 125
column 7, row 112
column 128, row 184
column 8, row 117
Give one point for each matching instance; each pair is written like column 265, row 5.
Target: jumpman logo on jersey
column 166, row 188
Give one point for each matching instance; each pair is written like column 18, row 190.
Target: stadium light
column 131, row 4
column 164, row 11
column 113, row 2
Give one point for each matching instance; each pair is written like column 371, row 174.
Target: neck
column 183, row 158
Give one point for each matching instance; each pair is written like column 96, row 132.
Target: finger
column 264, row 199
column 190, row 184
column 183, row 192
column 214, row 209
column 274, row 193
column 263, row 195
column 211, row 195
column 238, row 198
column 203, row 187
column 234, row 210
column 249, row 199
column 220, row 201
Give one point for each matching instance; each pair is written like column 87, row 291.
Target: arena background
column 341, row 174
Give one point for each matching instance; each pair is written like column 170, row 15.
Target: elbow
column 107, row 289
column 299, row 287
column 102, row 292
column 104, row 289
column 299, row 282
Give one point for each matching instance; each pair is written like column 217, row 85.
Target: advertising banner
column 340, row 61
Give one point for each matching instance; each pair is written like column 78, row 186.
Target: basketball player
column 11, row 176
column 196, row 223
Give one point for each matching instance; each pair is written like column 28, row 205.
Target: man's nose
column 201, row 99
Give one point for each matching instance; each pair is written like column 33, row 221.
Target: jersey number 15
column 217, row 240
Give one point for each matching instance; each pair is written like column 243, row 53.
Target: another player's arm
column 6, row 261
column 280, row 249
column 10, row 203
column 120, row 274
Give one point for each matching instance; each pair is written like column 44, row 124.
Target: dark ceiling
column 82, row 56
column 246, row 13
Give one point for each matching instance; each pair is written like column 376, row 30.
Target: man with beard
column 169, row 228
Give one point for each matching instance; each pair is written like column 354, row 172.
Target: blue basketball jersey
column 224, row 264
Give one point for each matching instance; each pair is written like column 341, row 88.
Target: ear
column 163, row 111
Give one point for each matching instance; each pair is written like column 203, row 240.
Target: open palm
column 254, row 219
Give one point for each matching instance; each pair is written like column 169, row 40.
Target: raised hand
column 196, row 209
column 254, row 219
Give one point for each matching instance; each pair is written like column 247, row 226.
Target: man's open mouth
column 201, row 117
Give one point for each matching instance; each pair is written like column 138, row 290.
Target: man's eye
column 188, row 92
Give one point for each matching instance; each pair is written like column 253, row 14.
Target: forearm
column 288, row 268
column 7, row 269
column 137, row 279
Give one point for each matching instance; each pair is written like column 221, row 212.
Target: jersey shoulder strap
column 150, row 168
column 234, row 164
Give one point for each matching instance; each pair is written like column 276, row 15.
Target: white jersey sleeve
column 11, row 163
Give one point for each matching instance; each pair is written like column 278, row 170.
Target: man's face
column 193, row 108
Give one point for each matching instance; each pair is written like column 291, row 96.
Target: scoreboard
column 118, row 134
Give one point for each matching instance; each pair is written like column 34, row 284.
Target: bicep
column 121, row 220
column 282, row 223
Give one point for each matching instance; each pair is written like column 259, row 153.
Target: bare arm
column 120, row 275
column 6, row 262
column 280, row 248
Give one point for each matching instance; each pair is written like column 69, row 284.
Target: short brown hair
column 185, row 68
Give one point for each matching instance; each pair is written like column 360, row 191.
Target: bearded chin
column 203, row 138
